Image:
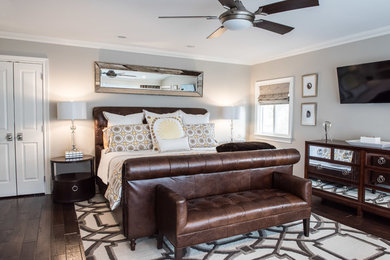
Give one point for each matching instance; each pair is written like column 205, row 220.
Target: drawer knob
column 380, row 179
column 381, row 160
column 75, row 188
column 319, row 166
column 345, row 172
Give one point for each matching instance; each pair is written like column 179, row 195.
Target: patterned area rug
column 102, row 239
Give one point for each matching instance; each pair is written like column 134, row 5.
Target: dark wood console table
column 356, row 176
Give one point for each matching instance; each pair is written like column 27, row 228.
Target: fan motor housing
column 237, row 19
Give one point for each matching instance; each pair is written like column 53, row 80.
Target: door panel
column 29, row 160
column 28, row 90
column 7, row 148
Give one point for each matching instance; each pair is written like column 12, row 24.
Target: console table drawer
column 331, row 169
column 381, row 179
column 382, row 161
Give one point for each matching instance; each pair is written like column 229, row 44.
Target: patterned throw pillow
column 200, row 135
column 127, row 138
column 165, row 128
column 106, row 137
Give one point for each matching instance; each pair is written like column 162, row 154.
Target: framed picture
column 308, row 113
column 309, row 85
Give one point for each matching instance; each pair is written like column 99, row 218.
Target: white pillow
column 191, row 119
column 151, row 115
column 165, row 128
column 170, row 145
column 131, row 119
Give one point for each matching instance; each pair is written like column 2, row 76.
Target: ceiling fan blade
column 208, row 17
column 273, row 27
column 286, row 6
column 217, row 32
column 228, row 3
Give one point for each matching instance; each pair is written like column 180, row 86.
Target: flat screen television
column 365, row 83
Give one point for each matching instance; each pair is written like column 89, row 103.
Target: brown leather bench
column 230, row 205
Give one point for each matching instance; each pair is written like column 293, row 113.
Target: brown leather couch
column 203, row 175
column 230, row 208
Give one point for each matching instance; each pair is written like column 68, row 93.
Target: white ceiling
column 97, row 23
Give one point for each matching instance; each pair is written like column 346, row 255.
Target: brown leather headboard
column 101, row 122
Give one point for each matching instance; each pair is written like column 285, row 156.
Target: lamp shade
column 71, row 110
column 231, row 112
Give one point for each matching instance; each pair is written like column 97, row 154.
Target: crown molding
column 126, row 48
column 328, row 44
column 114, row 47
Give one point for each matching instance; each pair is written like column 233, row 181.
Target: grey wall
column 349, row 121
column 71, row 77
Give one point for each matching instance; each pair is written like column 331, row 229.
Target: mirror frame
column 169, row 71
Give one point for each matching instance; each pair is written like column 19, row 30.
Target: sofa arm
column 171, row 210
column 293, row 184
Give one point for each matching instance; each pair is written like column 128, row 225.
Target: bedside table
column 73, row 186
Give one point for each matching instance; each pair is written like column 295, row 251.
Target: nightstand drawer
column 73, row 187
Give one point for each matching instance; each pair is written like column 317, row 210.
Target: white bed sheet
column 110, row 169
column 108, row 159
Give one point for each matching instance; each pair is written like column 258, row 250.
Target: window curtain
column 274, row 94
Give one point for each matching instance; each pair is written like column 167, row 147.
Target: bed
column 140, row 175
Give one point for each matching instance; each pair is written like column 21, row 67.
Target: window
column 273, row 109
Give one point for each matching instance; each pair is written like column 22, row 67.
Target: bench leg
column 306, row 227
column 159, row 240
column 179, row 253
column 132, row 244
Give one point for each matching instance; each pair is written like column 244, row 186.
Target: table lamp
column 231, row 113
column 72, row 111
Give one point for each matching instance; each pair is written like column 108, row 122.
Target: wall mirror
column 134, row 79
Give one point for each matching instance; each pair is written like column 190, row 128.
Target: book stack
column 73, row 155
column 370, row 139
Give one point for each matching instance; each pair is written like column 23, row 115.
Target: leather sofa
column 199, row 176
column 230, row 208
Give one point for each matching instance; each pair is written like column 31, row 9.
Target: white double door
column 21, row 129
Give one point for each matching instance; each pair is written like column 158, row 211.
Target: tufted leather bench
column 187, row 220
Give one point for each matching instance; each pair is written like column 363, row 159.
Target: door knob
column 9, row 137
column 19, row 137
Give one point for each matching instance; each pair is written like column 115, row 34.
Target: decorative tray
column 381, row 145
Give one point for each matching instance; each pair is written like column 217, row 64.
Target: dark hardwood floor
column 370, row 223
column 34, row 227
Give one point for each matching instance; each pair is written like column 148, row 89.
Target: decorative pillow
column 200, row 135
column 106, row 137
column 115, row 119
column 169, row 145
column 189, row 119
column 244, row 146
column 165, row 128
column 126, row 138
column 150, row 115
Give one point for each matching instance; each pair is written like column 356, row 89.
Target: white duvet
column 110, row 169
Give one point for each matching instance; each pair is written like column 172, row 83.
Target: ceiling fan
column 237, row 17
column 113, row 74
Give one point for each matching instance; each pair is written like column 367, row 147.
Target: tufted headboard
column 101, row 122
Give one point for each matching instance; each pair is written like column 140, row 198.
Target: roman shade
column 274, row 94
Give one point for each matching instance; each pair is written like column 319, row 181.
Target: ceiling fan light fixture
column 237, row 24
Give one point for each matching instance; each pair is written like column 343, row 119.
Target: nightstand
column 73, row 186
